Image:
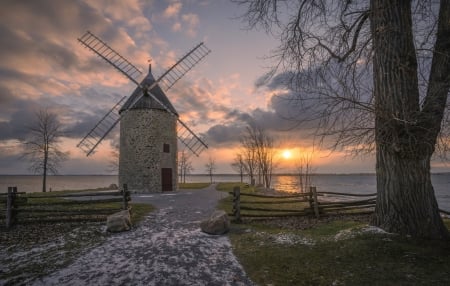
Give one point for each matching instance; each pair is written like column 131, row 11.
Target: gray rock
column 113, row 187
column 120, row 221
column 217, row 223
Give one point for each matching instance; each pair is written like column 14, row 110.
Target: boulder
column 120, row 221
column 113, row 187
column 217, row 223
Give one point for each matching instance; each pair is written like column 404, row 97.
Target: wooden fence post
column 316, row 202
column 124, row 196
column 310, row 200
column 237, row 203
column 10, row 206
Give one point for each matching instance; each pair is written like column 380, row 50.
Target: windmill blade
column 182, row 66
column 190, row 139
column 101, row 129
column 95, row 44
column 175, row 73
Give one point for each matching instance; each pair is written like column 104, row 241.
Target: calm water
column 334, row 183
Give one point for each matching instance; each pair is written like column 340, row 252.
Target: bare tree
column 259, row 144
column 41, row 147
column 374, row 76
column 249, row 156
column 304, row 171
column 185, row 166
column 210, row 168
column 239, row 166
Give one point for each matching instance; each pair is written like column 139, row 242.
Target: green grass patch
column 193, row 186
column 340, row 252
column 228, row 187
column 139, row 212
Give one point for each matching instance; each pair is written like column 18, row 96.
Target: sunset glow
column 287, row 154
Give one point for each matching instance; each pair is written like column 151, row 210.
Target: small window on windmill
column 166, row 148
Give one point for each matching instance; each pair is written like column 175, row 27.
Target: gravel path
column 168, row 248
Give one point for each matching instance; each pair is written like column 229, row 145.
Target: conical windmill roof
column 147, row 102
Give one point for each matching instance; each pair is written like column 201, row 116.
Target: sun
column 287, row 154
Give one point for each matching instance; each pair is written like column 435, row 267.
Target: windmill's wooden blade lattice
column 101, row 129
column 190, row 139
column 166, row 81
column 175, row 73
column 182, row 66
column 102, row 49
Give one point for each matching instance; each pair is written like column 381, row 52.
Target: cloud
column 192, row 21
column 186, row 23
column 173, row 10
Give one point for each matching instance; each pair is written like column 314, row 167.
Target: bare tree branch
column 41, row 148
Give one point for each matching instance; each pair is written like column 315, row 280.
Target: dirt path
column 168, row 248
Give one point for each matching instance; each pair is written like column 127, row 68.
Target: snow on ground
column 166, row 249
column 284, row 239
column 352, row 232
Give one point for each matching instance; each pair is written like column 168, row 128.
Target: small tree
column 210, row 168
column 185, row 166
column 304, row 169
column 239, row 165
column 258, row 146
column 41, row 147
column 249, row 157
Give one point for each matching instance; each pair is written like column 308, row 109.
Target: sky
column 42, row 65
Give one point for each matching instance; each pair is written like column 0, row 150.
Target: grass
column 337, row 252
column 228, row 187
column 139, row 212
column 193, row 186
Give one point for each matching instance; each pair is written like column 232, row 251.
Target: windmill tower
column 150, row 125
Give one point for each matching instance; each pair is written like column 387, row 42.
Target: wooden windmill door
column 166, row 179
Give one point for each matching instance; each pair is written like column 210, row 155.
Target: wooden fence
column 305, row 204
column 21, row 207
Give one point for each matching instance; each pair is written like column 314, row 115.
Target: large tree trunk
column 406, row 203
column 405, row 136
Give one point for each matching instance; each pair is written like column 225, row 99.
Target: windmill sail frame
column 194, row 143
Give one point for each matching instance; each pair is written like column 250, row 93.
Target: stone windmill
column 150, row 125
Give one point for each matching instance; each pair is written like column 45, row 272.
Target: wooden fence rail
column 20, row 207
column 255, row 208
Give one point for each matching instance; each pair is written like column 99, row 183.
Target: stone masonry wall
column 143, row 133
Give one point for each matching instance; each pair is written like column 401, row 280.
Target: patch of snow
column 284, row 239
column 345, row 234
column 353, row 232
column 374, row 230
column 290, row 239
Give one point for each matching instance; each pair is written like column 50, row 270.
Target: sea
column 341, row 183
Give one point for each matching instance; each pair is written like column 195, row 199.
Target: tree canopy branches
column 41, row 148
column 326, row 54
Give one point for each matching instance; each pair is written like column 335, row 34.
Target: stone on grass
column 120, row 221
column 113, row 187
column 217, row 223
